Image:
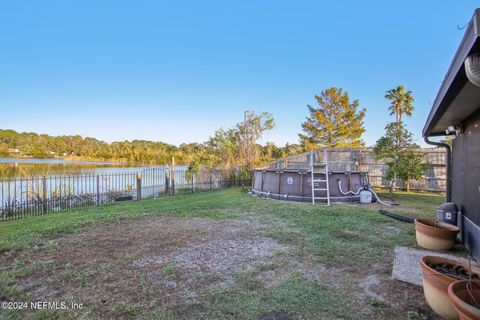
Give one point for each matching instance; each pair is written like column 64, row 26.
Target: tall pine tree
column 336, row 123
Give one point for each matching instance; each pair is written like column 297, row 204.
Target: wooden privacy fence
column 363, row 160
column 28, row 196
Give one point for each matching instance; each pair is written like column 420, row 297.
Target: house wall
column 466, row 181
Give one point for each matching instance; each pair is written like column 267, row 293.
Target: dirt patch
column 367, row 283
column 134, row 267
column 173, row 260
column 389, row 228
column 389, row 298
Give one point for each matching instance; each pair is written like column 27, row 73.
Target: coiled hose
column 379, row 200
column 348, row 192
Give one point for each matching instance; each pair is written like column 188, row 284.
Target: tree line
column 225, row 148
column 335, row 122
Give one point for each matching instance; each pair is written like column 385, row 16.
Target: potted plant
column 435, row 235
column 438, row 273
column 465, row 297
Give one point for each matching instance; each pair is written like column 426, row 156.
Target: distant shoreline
column 57, row 160
column 86, row 159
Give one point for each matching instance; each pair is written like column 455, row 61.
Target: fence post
column 139, row 186
column 154, row 174
column 167, row 183
column 44, row 196
column 192, row 181
column 172, row 177
column 210, row 180
column 98, row 189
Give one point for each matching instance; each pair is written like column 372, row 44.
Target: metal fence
column 29, row 196
column 363, row 160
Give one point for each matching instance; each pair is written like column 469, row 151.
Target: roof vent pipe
column 472, row 68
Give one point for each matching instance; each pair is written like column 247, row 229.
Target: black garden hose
column 397, row 216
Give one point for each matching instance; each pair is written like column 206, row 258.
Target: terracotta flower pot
column 434, row 235
column 435, row 284
column 462, row 301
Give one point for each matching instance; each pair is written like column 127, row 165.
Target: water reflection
column 10, row 167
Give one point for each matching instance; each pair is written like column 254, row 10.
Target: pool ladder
column 320, row 168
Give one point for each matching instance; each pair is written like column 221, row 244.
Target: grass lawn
column 214, row 255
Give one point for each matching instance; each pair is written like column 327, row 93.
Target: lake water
column 27, row 183
column 12, row 167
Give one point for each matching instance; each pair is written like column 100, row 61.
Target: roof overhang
column 457, row 97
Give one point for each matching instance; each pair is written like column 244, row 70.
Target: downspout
column 449, row 165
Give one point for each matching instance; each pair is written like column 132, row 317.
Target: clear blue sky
column 175, row 71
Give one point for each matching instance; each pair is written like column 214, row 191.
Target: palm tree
column 401, row 102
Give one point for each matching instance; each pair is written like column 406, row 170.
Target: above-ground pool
column 296, row 184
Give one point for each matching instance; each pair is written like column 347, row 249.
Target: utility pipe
column 449, row 164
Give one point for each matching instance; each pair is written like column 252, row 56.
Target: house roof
column 457, row 97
